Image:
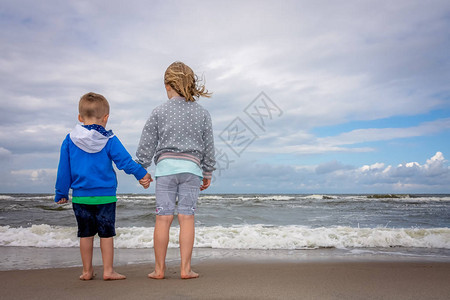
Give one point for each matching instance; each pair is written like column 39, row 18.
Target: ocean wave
column 317, row 197
column 244, row 198
column 212, row 197
column 260, row 198
column 39, row 236
column 329, row 198
column 241, row 237
column 131, row 198
column 27, row 197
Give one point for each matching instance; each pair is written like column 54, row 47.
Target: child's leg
column 107, row 247
column 187, row 233
column 86, row 249
column 106, row 220
column 166, row 194
column 188, row 191
column 85, row 215
column 160, row 243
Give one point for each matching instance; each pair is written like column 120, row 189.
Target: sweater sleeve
column 149, row 141
column 63, row 178
column 123, row 160
column 208, row 160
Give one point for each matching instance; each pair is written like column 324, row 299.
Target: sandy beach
column 241, row 280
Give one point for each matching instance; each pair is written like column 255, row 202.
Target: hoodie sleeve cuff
column 59, row 197
column 141, row 173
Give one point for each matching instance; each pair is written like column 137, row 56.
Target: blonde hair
column 182, row 80
column 93, row 105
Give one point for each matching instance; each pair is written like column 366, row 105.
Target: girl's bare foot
column 156, row 275
column 87, row 276
column 189, row 275
column 113, row 276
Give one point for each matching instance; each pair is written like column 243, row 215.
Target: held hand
column 145, row 181
column 62, row 201
column 205, row 185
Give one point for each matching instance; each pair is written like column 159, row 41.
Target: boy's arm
column 123, row 159
column 148, row 142
column 63, row 178
column 208, row 160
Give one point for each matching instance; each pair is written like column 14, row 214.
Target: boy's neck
column 94, row 122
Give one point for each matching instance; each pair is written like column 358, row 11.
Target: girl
column 179, row 136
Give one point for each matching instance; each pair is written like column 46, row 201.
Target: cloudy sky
column 309, row 96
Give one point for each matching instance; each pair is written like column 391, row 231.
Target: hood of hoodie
column 90, row 140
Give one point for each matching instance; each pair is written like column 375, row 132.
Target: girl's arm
column 209, row 160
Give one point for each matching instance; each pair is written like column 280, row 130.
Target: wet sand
column 241, row 280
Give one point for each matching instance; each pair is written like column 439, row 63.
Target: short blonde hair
column 182, row 79
column 93, row 105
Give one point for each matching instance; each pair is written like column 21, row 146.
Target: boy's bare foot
column 114, row 276
column 189, row 275
column 156, row 275
column 87, row 276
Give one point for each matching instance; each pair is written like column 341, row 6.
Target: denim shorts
column 184, row 186
column 93, row 219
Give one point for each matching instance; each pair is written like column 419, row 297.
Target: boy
column 85, row 166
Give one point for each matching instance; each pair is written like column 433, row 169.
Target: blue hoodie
column 85, row 163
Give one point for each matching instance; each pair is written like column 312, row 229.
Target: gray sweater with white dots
column 181, row 130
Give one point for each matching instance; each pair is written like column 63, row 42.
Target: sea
column 35, row 232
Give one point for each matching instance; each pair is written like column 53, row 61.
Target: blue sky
column 354, row 96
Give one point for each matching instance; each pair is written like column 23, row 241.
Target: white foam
column 212, row 197
column 39, row 236
column 135, row 198
column 319, row 197
column 277, row 197
column 297, row 237
column 249, row 197
column 26, row 197
column 241, row 237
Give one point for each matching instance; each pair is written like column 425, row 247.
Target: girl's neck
column 171, row 92
column 173, row 95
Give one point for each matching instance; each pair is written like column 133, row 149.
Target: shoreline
column 241, row 280
column 28, row 258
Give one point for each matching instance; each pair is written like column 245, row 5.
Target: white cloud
column 322, row 63
column 335, row 177
column 4, row 154
column 35, row 175
column 303, row 142
column 383, row 134
column 435, row 173
column 39, row 138
column 375, row 166
column 331, row 166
